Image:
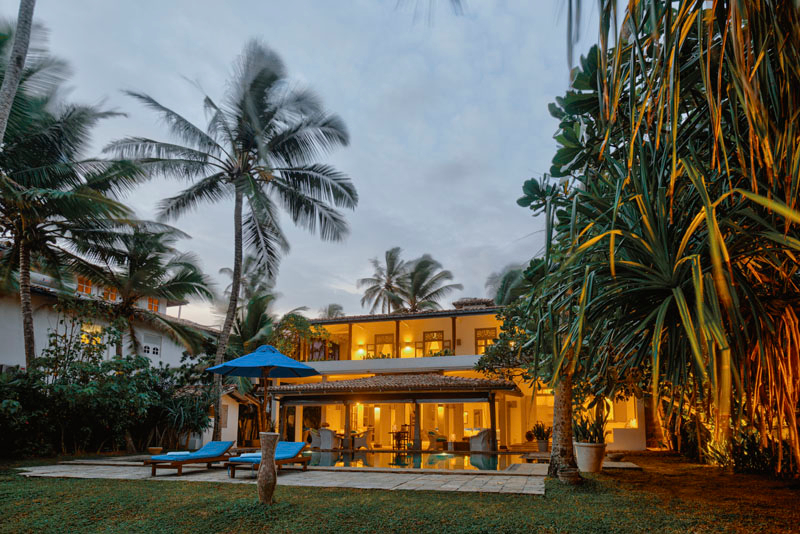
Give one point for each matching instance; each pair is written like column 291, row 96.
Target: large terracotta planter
column 589, row 456
column 542, row 444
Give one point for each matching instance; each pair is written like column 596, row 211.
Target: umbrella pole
column 265, row 371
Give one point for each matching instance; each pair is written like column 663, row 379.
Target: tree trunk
column 267, row 477
column 25, row 302
column 229, row 316
column 130, row 447
column 16, row 63
column 562, row 454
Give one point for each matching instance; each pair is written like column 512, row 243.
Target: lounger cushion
column 212, row 449
column 284, row 450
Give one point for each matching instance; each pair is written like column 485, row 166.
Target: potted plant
column 589, row 439
column 542, row 434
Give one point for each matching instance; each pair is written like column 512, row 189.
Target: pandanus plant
column 681, row 222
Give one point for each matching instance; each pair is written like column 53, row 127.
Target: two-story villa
column 45, row 292
column 410, row 377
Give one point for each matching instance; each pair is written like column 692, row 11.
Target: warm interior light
column 633, row 423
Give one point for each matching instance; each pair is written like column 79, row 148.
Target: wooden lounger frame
column 178, row 464
column 294, row 460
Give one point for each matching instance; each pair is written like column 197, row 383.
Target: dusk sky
column 447, row 117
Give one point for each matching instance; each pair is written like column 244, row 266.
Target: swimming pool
column 431, row 460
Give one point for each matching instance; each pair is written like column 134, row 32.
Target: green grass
column 601, row 505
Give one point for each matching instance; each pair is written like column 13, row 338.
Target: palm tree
column 383, row 287
column 254, row 325
column 331, row 311
column 261, row 147
column 424, row 285
column 254, row 279
column 514, row 281
column 139, row 264
column 48, row 194
column 13, row 75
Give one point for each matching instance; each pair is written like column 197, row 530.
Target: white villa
column 408, row 380
column 154, row 344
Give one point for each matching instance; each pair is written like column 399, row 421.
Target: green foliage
column 293, row 329
column 76, row 398
column 588, row 430
column 541, row 431
column 749, row 455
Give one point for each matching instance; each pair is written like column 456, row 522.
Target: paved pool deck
column 525, row 478
column 497, row 482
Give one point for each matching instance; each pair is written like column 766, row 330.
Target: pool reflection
column 438, row 460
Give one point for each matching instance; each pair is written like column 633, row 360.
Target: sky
column 447, row 117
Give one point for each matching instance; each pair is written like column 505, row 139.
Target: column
column 298, row 423
column 346, row 442
column 493, row 421
column 417, row 431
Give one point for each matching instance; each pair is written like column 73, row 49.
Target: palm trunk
column 562, row 454
column 25, row 302
column 16, row 63
column 228, row 325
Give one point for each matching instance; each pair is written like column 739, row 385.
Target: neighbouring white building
column 155, row 345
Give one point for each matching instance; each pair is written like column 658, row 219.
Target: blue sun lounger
column 211, row 452
column 286, row 452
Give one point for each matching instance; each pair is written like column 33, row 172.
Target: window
column 151, row 345
column 223, row 417
column 91, row 333
column 84, row 285
column 384, row 345
column 152, row 304
column 483, row 338
column 433, row 342
column 110, row 294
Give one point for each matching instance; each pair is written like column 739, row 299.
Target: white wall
column 45, row 319
column 230, row 424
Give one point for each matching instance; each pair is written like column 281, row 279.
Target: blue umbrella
column 265, row 362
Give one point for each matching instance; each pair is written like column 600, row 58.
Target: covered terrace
column 413, row 403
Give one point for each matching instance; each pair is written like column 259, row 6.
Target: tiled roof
column 55, row 293
column 397, row 383
column 401, row 316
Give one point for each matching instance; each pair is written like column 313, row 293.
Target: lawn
column 667, row 496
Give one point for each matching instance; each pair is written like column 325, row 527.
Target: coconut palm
column 48, row 193
column 425, row 285
column 137, row 264
column 254, row 279
column 383, row 287
column 13, row 75
column 331, row 311
column 514, row 281
column 260, row 147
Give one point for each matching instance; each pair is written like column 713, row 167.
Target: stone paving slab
column 516, row 483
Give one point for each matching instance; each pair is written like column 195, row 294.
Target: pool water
column 432, row 460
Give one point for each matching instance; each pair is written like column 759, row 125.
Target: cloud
column 447, row 120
